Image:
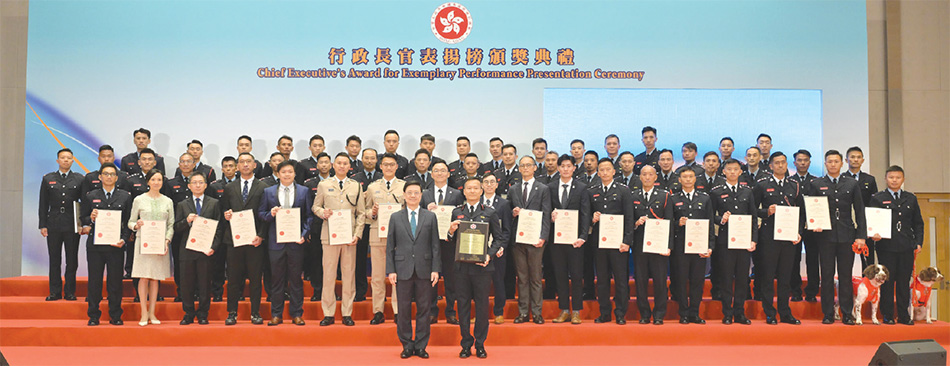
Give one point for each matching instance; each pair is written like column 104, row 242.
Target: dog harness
column 924, row 292
column 873, row 292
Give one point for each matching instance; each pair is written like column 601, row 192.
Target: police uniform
column 402, row 165
column 733, row 263
column 897, row 253
column 59, row 193
column 668, row 181
column 696, row 167
column 92, row 182
column 313, row 252
column 749, row 179
column 690, row 268
column 105, row 257
column 812, row 267
column 834, row 246
column 705, row 184
column 267, row 171
column 614, row 199
column 130, row 163
column 776, row 257
column 362, row 247
column 658, row 205
column 270, row 181
column 507, row 178
column 643, row 159
column 306, row 169
column 499, row 279
column 868, row 188
column 202, row 168
column 457, row 180
column 411, row 167
column 335, row 195
column 425, row 180
column 380, row 192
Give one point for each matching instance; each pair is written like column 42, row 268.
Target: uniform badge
column 823, row 188
column 330, row 190
column 770, row 190
column 679, row 203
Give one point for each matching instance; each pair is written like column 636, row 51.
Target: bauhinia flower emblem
column 451, row 22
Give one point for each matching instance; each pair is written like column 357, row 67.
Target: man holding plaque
column 196, row 264
column 383, row 197
column 284, row 209
column 101, row 256
column 571, row 207
column 412, row 264
column 530, row 198
column 614, row 239
column 897, row 252
column 734, row 199
column 339, row 202
column 775, row 197
column 474, row 278
column 241, row 199
column 692, row 209
column 651, row 252
column 441, row 194
column 846, row 208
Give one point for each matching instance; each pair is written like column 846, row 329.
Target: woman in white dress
column 151, row 268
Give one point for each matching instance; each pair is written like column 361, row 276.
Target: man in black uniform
column 589, row 174
column 625, row 174
column 577, row 152
column 568, row 193
column 764, row 143
column 129, row 163
column 427, row 143
column 420, row 169
column 59, row 197
column 650, row 155
column 391, row 144
column 666, row 178
column 503, row 208
column 690, row 204
column 494, row 148
column 689, row 158
column 733, row 198
column 245, row 261
column 220, row 258
column 539, row 147
column 92, row 180
column 610, row 197
column 105, row 257
column 651, row 202
column 776, row 256
column 508, row 175
column 463, row 146
column 244, row 145
column 549, row 174
column 353, row 146
column 196, row 149
column 307, row 168
column 469, row 169
column 709, row 177
column 612, row 147
column 753, row 172
column 285, row 146
column 868, row 186
column 835, row 245
column 270, row 180
column 898, row 252
column 275, row 159
column 812, row 266
column 364, row 177
column 474, row 279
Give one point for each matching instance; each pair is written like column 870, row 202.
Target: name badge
column 52, row 182
column 95, row 182
column 886, row 202
column 330, row 190
column 770, row 190
column 823, row 188
column 636, row 202
column 724, row 196
column 96, row 201
column 679, row 203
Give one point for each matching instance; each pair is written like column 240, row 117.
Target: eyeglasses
column 528, row 165
column 108, row 174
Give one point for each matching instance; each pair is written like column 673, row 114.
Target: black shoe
column 828, row 320
column 203, row 321
column 348, row 321
column 218, row 298
column 741, row 319
column 241, row 298
column 727, row 320
column 905, row 321
column 116, row 322
column 888, row 321
column 314, row 298
column 465, row 353
column 848, row 321
column 422, row 353
column 53, row 297
column 256, row 319
column 377, row 319
column 177, row 299
column 433, row 319
column 657, row 321
column 538, row 319
column 359, row 299
column 811, row 299
column 790, row 320
column 770, row 320
column 452, row 319
column 187, row 320
column 338, row 298
column 795, row 299
column 93, row 322
column 327, row 320
column 696, row 320
column 645, row 320
column 521, row 318
column 127, row 276
column 136, row 299
column 231, row 320
column 69, row 297
column 480, row 353
column 621, row 320
column 602, row 319
column 162, row 298
column 684, row 320
column 406, row 353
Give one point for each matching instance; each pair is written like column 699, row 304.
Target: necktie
column 64, row 176
column 564, row 196
column 244, row 192
column 423, row 178
column 286, row 198
column 440, row 196
column 855, row 176
column 780, row 183
column 540, row 166
column 835, row 181
column 689, row 196
column 525, row 193
column 646, row 196
column 588, row 178
column 626, row 182
column 387, row 186
column 896, row 196
column 412, row 223
column 471, row 210
column 734, row 189
column 497, row 165
column 198, row 206
column 108, row 196
column 369, row 176
column 341, row 184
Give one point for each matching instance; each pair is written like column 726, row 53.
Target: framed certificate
column 340, row 227
column 152, row 235
column 529, row 227
column 565, row 227
column 817, row 213
column 443, row 216
column 611, row 231
column 697, row 236
column 201, row 235
column 656, row 236
column 786, row 223
column 382, row 217
column 471, row 242
column 288, row 225
column 740, row 231
column 108, row 227
column 879, row 221
column 243, row 227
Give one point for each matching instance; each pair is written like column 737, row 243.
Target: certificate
column 740, row 231
column 565, row 227
column 697, row 236
column 443, row 216
column 786, row 223
column 340, row 227
column 471, row 242
column 382, row 217
column 152, row 235
column 243, row 228
column 288, row 225
column 201, row 235
column 611, row 231
column 879, row 221
column 656, row 236
column 817, row 214
column 77, row 228
column 108, row 227
column 529, row 227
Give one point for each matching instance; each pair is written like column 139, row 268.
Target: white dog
column 867, row 288
column 920, row 287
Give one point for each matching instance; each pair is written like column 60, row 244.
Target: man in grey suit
column 412, row 251
column 529, row 194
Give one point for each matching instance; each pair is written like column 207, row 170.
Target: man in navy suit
column 286, row 255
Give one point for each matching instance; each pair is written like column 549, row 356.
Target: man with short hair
column 196, row 149
column 625, row 174
column 589, row 174
column 129, row 163
column 420, row 169
column 441, row 194
column 245, row 145
column 391, row 145
column 59, row 196
column 651, row 202
column 666, row 178
column 307, row 168
column 275, row 159
column 577, row 152
column 812, row 265
column 468, row 169
column 245, row 262
column 690, row 204
column 427, row 143
column 539, row 147
column 508, row 175
column 494, row 149
column 353, row 146
column 650, row 155
column 764, row 143
column 105, row 257
column 733, row 198
column 549, row 174
column 499, row 278
column 709, row 177
column 612, row 147
column 92, row 180
column 195, row 271
column 529, row 195
column 689, row 159
column 463, row 146
column 568, row 193
column 608, row 197
column 220, row 258
column 868, row 186
column 753, row 172
column 285, row 146
column 386, row 190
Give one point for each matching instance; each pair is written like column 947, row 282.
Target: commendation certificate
column 565, row 227
column 786, row 223
column 201, row 235
column 471, row 242
column 443, row 216
column 697, row 236
column 108, row 227
column 152, row 235
column 340, row 227
column 288, row 225
column 243, row 228
column 656, row 236
column 529, row 227
column 879, row 221
column 382, row 217
column 817, row 214
column 740, row 231
column 611, row 231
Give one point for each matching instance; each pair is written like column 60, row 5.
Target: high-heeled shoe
column 155, row 321
column 143, row 323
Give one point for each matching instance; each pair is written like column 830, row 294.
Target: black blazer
column 539, row 199
column 700, row 207
column 232, row 200
column 505, row 180
column 907, row 225
column 617, row 200
column 96, row 199
column 577, row 199
column 503, row 209
column 406, row 253
column 481, row 214
column 452, row 197
column 842, row 198
column 211, row 209
column 867, row 183
column 740, row 203
column 768, row 193
column 56, row 201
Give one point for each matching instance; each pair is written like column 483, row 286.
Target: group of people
column 413, row 255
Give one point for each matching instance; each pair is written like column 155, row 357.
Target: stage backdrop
column 212, row 70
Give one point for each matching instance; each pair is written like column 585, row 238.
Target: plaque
column 471, row 242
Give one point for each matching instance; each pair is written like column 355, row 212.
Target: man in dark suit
column 589, row 174
column 105, row 257
column 812, row 265
column 549, row 174
column 442, row 195
column 529, row 195
column 868, row 186
column 474, row 279
column 651, row 202
column 898, row 252
column 412, row 252
column 59, row 193
column 196, row 265
column 196, row 149
column 835, row 245
column 690, row 203
column 503, row 209
column 286, row 254
column 651, row 154
column 709, row 177
column 612, row 198
column 130, row 162
column 92, row 181
column 245, row 261
column 625, row 174
column 733, row 198
column 568, row 193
